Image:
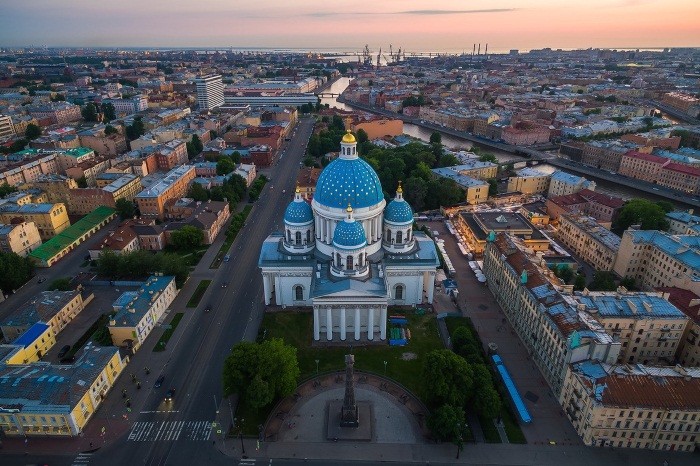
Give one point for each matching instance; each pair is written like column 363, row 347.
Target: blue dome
column 298, row 212
column 398, row 211
column 349, row 235
column 348, row 181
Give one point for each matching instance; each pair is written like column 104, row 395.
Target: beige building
column 648, row 327
column 476, row 227
column 477, row 169
column 542, row 312
column 176, row 183
column 476, row 191
column 19, row 237
column 50, row 219
column 56, row 187
column 628, row 406
column 596, row 245
column 656, row 258
column 378, row 128
column 529, row 181
column 689, row 304
column 137, row 312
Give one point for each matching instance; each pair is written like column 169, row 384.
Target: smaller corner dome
column 298, row 211
column 398, row 211
column 348, row 138
column 349, row 235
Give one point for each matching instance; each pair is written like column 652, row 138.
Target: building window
column 299, row 293
column 398, row 292
column 308, row 236
column 298, row 237
column 399, row 237
column 388, row 234
column 348, row 263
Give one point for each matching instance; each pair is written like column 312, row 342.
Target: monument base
column 363, row 432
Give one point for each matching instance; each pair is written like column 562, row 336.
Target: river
column 452, row 142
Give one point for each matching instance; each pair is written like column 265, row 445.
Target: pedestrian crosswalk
column 82, row 459
column 248, row 462
column 154, row 431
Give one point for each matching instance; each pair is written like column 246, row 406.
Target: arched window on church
column 408, row 235
column 338, row 260
column 388, row 235
column 360, row 262
column 298, row 237
column 348, row 263
column 299, row 293
column 308, row 236
column 398, row 292
column 399, row 236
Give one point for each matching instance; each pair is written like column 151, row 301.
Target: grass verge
column 237, row 222
column 198, row 293
column 99, row 323
column 160, row 346
column 490, row 432
column 511, row 426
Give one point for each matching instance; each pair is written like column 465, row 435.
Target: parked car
column 63, row 351
column 227, row 257
column 159, row 381
column 170, row 394
column 41, row 280
column 224, row 284
column 208, row 308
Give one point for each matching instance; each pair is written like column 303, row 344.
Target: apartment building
column 96, row 139
column 58, row 113
column 476, row 169
column 683, row 102
column 54, row 308
column 476, row 227
column 688, row 303
column 137, row 312
column 646, row 324
column 683, row 223
column 542, row 312
column 174, row 185
column 26, row 171
column 562, row 183
column 476, row 191
column 82, row 201
column 248, row 172
column 641, row 166
column 56, row 400
column 32, row 345
column 603, row 208
column 210, row 91
column 90, row 169
column 50, row 219
column 594, row 244
column 680, row 177
column 56, row 187
column 633, row 406
column 129, row 106
column 656, row 258
column 121, row 240
column 306, row 182
column 171, row 154
column 529, row 181
column 208, row 217
column 19, row 237
column 7, row 129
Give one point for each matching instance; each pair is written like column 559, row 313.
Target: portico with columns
column 334, row 321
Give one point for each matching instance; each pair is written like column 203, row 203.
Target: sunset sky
column 451, row 25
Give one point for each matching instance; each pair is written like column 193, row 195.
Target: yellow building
column 476, row 191
column 137, row 312
column 55, row 400
column 597, row 246
column 50, row 219
column 477, row 169
column 56, row 187
column 630, row 406
column 475, row 228
column 19, row 237
column 529, row 181
column 32, row 345
column 54, row 308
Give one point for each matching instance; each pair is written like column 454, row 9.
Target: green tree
column 109, row 129
column 422, row 171
column 82, row 182
column 435, row 138
column 108, row 263
column 197, row 143
column 32, row 132
column 136, row 129
column 488, row 157
column 61, row 284
column 6, row 189
column 602, row 281
column 125, row 208
column 362, row 136
column 199, row 193
column 630, row 283
column 89, row 112
column 485, row 400
column 447, row 378
column 580, row 282
column 15, row 271
column 465, row 345
column 108, row 111
column 261, row 372
column 187, row 237
column 225, row 165
column 445, row 422
column 414, row 191
column 493, row 187
column 649, row 215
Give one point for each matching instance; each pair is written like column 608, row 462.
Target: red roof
column 677, row 167
column 648, row 157
column 685, row 300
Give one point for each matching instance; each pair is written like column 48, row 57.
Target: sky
column 413, row 25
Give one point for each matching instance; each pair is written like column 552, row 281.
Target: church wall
column 285, row 284
column 413, row 286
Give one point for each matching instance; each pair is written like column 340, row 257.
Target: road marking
column 82, row 459
column 170, row 431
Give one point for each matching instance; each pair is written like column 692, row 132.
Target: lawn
column 190, row 256
column 489, row 429
column 198, row 293
column 160, row 346
column 296, row 328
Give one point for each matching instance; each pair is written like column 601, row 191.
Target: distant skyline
column 449, row 25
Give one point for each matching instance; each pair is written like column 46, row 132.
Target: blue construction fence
column 512, row 390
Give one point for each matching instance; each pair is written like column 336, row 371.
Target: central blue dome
column 298, row 212
column 349, row 235
column 348, row 181
column 398, row 211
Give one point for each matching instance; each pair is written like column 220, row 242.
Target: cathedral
column 348, row 255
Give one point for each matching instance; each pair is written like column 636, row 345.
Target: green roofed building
column 54, row 249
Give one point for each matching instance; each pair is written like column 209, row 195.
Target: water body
column 452, row 142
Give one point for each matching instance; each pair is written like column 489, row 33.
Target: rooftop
column 41, row 308
column 593, row 229
column 161, row 186
column 458, row 178
column 132, row 306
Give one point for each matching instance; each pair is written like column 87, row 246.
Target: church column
column 317, row 324
column 329, row 232
column 357, row 323
column 278, row 290
column 342, row 324
column 382, row 323
column 329, row 324
column 317, row 224
column 370, row 323
column 374, row 229
column 431, row 286
column 266, row 288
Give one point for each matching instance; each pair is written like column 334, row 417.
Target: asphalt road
column 196, row 360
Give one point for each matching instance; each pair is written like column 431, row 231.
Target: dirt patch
column 409, row 356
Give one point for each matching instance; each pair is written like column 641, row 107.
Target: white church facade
column 348, row 255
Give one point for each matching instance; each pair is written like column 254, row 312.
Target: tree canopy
column 6, row 189
column 32, row 132
column 448, row 378
column 445, row 422
column 142, row 264
column 15, row 271
column 602, row 281
column 187, row 237
column 225, row 165
column 649, row 215
column 136, row 129
column 125, row 208
column 109, row 129
column 261, row 372
column 108, row 111
column 89, row 112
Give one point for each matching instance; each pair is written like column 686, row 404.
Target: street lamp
column 241, row 434
column 459, row 440
column 316, row 366
column 385, row 368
